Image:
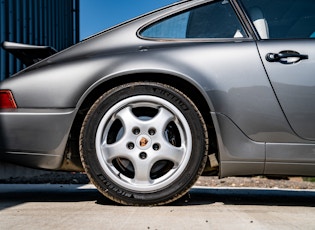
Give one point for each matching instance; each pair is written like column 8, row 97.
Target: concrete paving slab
column 46, row 206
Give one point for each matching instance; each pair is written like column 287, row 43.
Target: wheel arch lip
column 137, row 75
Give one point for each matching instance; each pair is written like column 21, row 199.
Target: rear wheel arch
column 174, row 81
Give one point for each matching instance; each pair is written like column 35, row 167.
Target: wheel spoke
column 142, row 171
column 167, row 150
column 163, row 118
column 112, row 151
column 119, row 148
column 128, row 119
column 171, row 153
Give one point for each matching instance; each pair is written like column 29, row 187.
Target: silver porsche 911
column 199, row 87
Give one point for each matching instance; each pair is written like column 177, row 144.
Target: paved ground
column 47, row 206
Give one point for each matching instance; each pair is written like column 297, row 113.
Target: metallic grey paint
column 263, row 112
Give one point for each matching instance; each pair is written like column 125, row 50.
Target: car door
column 287, row 48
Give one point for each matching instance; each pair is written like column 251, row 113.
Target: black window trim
column 235, row 7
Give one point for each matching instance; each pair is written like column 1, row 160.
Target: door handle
column 284, row 57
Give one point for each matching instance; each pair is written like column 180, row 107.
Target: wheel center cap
column 143, row 142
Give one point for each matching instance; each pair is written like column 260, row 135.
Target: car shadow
column 248, row 196
column 13, row 195
column 242, row 196
column 16, row 194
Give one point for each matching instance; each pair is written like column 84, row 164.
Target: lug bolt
column 151, row 132
column 130, row 145
column 156, row 147
column 143, row 155
column 136, row 131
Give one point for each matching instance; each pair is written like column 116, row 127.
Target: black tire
column 143, row 143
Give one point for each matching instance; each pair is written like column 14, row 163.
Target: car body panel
column 35, row 133
column 294, row 88
column 238, row 154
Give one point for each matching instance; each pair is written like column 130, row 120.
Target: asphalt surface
column 47, row 206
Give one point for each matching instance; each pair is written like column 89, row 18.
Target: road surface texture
column 75, row 206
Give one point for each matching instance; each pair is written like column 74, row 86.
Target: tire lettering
column 113, row 188
column 174, row 98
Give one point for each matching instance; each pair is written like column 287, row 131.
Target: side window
column 214, row 20
column 279, row 19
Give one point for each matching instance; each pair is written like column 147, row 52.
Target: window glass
column 214, row 20
column 282, row 19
